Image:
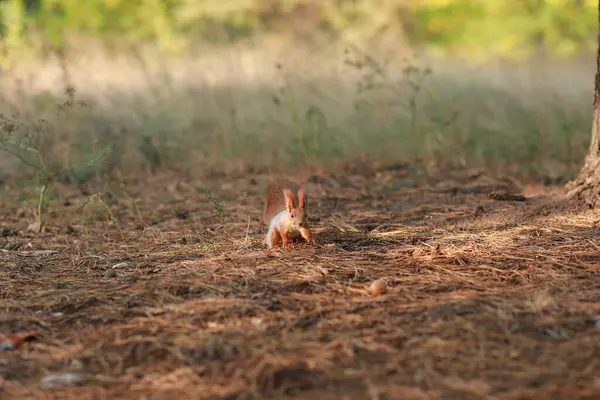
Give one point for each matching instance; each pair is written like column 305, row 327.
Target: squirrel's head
column 296, row 215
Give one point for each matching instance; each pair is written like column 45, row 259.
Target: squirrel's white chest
column 275, row 225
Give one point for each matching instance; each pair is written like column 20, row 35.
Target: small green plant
column 217, row 205
column 376, row 77
column 148, row 150
column 30, row 143
column 309, row 122
column 113, row 219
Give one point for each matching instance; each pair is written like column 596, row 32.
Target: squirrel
column 285, row 213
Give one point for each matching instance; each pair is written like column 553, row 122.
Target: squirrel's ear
column 289, row 199
column 301, row 198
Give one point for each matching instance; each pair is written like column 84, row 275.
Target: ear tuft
column 301, row 198
column 289, row 199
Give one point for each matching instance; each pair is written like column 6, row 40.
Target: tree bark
column 586, row 188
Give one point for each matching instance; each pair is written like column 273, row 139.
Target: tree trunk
column 586, row 188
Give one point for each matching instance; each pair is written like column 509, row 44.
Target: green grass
column 268, row 107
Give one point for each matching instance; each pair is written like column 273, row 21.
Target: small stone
column 58, row 380
column 44, row 252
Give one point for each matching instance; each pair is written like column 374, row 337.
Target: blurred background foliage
column 504, row 84
column 479, row 28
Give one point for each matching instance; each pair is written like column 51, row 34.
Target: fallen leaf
column 11, row 341
column 32, row 227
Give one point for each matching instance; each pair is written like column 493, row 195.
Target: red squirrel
column 285, row 213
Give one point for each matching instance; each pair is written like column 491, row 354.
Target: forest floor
column 485, row 298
